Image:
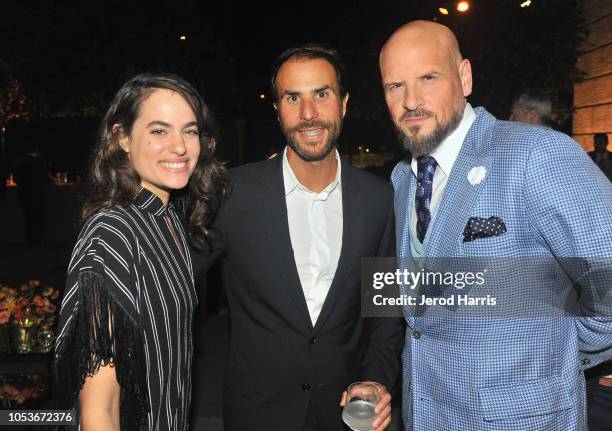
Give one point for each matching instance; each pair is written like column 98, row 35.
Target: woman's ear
column 123, row 140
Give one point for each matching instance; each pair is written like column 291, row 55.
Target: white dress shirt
column 315, row 227
column 445, row 154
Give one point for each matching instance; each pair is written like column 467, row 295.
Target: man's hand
column 382, row 410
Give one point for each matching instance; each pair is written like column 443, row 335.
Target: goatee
column 426, row 144
column 333, row 132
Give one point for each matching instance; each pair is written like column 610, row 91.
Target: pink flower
column 4, row 317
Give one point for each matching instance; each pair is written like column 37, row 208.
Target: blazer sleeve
column 381, row 362
column 569, row 202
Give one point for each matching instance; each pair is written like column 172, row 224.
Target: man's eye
column 158, row 132
column 428, row 77
column 292, row 98
column 322, row 94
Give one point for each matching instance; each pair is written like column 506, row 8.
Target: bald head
column 426, row 83
column 436, row 36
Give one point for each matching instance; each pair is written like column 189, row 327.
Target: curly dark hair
column 112, row 180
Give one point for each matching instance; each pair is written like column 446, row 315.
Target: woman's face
column 164, row 145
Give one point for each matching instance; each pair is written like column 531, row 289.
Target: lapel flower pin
column 476, row 175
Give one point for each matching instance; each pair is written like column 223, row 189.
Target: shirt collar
column 446, row 153
column 148, row 201
column 292, row 183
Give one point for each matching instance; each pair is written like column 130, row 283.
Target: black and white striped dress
column 129, row 300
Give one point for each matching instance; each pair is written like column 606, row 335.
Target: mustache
column 419, row 112
column 313, row 124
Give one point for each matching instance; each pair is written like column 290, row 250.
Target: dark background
column 70, row 57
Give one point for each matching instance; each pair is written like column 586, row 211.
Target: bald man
column 477, row 187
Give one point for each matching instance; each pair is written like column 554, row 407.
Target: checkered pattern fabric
column 522, row 373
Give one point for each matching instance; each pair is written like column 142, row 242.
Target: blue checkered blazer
column 523, row 373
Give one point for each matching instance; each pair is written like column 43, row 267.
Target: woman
column 124, row 342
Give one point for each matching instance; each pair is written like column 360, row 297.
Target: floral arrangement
column 32, row 301
column 17, row 390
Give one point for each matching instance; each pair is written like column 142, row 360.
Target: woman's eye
column 192, row 132
column 158, row 132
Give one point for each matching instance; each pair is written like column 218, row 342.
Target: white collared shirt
column 315, row 227
column 445, row 154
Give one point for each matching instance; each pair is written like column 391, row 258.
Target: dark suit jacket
column 281, row 368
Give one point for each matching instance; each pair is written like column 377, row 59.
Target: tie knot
column 426, row 166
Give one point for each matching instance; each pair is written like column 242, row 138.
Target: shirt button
column 313, row 340
column 306, row 387
column 416, row 334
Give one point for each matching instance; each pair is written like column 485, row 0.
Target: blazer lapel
column 460, row 195
column 350, row 257
column 404, row 183
column 279, row 239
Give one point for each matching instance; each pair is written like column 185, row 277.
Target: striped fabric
column 129, row 300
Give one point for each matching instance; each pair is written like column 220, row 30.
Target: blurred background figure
column 533, row 106
column 31, row 174
column 601, row 156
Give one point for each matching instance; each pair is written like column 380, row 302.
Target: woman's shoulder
column 112, row 227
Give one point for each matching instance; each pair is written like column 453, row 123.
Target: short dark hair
column 603, row 137
column 538, row 100
column 112, row 180
column 310, row 51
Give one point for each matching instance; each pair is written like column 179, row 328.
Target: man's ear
column 465, row 74
column 345, row 103
column 123, row 141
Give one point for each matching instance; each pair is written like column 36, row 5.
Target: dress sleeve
column 99, row 322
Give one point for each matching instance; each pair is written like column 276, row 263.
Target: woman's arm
column 99, row 401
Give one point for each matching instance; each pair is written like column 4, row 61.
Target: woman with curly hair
column 124, row 349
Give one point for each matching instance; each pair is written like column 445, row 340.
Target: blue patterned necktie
column 426, row 167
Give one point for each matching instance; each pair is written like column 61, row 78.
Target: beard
column 333, row 132
column 426, row 144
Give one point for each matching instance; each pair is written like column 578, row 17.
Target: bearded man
column 496, row 191
column 294, row 229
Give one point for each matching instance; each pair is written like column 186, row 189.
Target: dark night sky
column 70, row 57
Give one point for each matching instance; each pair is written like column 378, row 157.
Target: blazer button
column 585, row 361
column 314, row 340
column 306, row 387
column 416, row 334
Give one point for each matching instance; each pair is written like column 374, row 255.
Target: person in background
column 532, row 106
column 124, row 348
column 31, row 173
column 601, row 156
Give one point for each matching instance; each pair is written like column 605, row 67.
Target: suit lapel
column 352, row 222
column 460, row 196
column 404, row 182
column 279, row 239
column 403, row 201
